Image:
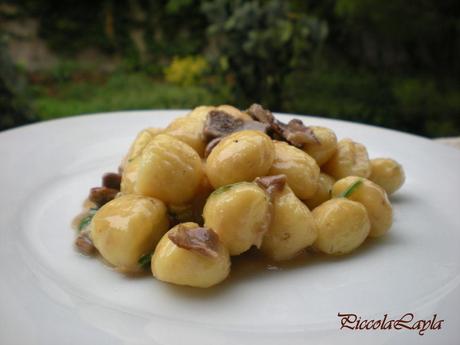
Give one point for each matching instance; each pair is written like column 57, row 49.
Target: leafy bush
column 169, row 27
column 14, row 100
column 415, row 105
column 399, row 35
column 376, row 66
column 259, row 43
column 186, row 71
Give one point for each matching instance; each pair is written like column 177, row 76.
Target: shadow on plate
column 253, row 265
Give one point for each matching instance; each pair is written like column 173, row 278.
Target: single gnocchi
column 374, row 199
column 128, row 227
column 325, row 148
column 343, row 225
column 169, row 170
column 301, row 170
column 235, row 112
column 129, row 175
column 190, row 255
column 323, row 192
column 138, row 145
column 241, row 156
column 292, row 227
column 349, row 159
column 387, row 173
column 189, row 130
column 201, row 112
column 239, row 214
column 130, row 164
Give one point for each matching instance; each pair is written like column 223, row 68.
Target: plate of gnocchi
column 218, row 225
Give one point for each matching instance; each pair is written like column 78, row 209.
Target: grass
column 412, row 105
column 121, row 91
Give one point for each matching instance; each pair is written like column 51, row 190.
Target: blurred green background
column 391, row 63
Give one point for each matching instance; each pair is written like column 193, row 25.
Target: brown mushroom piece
column 191, row 255
column 292, row 227
column 294, row 132
column 102, row 195
column 219, row 124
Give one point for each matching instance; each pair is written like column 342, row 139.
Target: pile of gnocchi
column 219, row 181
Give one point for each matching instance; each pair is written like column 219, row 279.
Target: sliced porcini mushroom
column 219, row 124
column 213, row 143
column 84, row 243
column 102, row 195
column 258, row 113
column 271, row 184
column 297, row 134
column 201, row 240
column 294, row 132
column 111, row 180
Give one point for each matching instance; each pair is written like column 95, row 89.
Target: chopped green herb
column 86, row 220
column 144, row 261
column 347, row 192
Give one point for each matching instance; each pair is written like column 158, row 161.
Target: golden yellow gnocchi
column 387, row 173
column 322, row 150
column 190, row 255
column 139, row 143
column 235, row 112
column 301, row 170
column 241, row 156
column 349, row 159
column 128, row 227
column 129, row 175
column 323, row 192
column 130, row 164
column 292, row 227
column 374, row 199
column 169, row 170
column 239, row 214
column 201, row 112
column 342, row 225
column 189, row 130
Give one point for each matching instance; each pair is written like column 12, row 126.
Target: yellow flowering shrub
column 186, row 71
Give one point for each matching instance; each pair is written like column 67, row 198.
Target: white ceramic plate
column 50, row 294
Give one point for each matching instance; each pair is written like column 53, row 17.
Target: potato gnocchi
column 219, row 181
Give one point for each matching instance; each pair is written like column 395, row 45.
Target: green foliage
column 175, row 28
column 389, row 63
column 426, row 108
column 259, row 43
column 69, row 26
column 401, row 36
column 121, row 92
column 415, row 105
column 14, row 99
column 186, row 71
column 168, row 27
